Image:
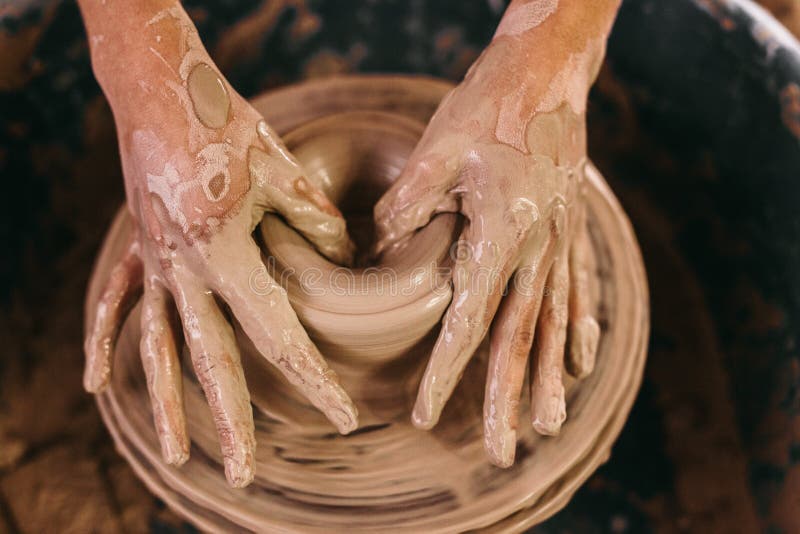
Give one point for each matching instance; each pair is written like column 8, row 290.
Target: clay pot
column 372, row 314
column 353, row 136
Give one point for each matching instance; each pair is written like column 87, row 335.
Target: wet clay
column 209, row 96
column 201, row 168
column 387, row 475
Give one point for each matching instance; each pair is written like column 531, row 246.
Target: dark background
column 695, row 121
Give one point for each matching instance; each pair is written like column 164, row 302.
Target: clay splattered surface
column 713, row 442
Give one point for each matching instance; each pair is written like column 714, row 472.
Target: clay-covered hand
column 201, row 167
column 507, row 150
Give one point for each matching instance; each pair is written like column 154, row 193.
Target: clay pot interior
column 354, row 157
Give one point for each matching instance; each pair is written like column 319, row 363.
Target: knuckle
column 523, row 339
column 557, row 316
column 522, row 214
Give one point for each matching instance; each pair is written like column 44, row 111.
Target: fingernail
column 423, row 416
column 173, row 452
column 583, row 350
column 508, row 446
column 551, row 414
column 239, row 473
column 93, row 383
column 502, row 447
column 348, row 420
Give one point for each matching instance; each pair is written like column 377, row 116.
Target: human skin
column 507, row 149
column 201, row 167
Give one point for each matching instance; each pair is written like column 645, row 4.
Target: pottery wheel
column 387, row 475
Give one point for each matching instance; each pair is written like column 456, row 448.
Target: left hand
column 519, row 186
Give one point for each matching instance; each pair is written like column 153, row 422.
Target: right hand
column 195, row 194
column 512, row 161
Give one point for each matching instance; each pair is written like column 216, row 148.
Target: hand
column 511, row 161
column 199, row 179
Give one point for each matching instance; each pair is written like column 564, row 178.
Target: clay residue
column 212, row 164
column 315, row 196
column 521, row 18
column 570, row 83
column 512, row 123
column 563, row 74
column 216, row 185
column 209, row 97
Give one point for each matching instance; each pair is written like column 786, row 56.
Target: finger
column 478, row 282
column 118, row 294
column 584, row 332
column 313, row 215
column 511, row 339
column 262, row 308
column 548, row 407
column 216, row 361
column 304, row 205
column 162, row 369
column 423, row 189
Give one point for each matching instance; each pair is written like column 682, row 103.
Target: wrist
column 548, row 51
column 541, row 78
column 535, row 111
column 138, row 47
